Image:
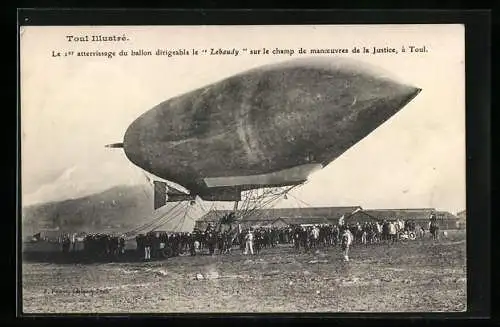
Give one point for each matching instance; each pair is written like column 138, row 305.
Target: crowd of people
column 160, row 244
column 253, row 240
column 312, row 237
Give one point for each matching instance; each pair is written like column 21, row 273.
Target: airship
column 269, row 126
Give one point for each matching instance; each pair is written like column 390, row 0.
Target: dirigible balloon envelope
column 266, row 127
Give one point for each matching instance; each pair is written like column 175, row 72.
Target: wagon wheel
column 167, row 252
column 412, row 236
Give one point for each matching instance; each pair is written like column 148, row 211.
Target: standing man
column 73, row 241
column 122, row 244
column 147, row 247
column 258, row 240
column 296, row 238
column 335, row 235
column 341, row 221
column 346, row 243
column 66, row 243
column 392, row 232
column 364, row 234
column 379, row 230
column 315, row 236
column 192, row 246
column 434, row 227
column 422, row 232
column 140, row 241
column 249, row 242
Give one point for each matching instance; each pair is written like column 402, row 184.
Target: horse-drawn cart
column 408, row 233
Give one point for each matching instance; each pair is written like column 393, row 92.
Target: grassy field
column 415, row 276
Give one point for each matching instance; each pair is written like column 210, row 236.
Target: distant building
column 361, row 216
column 43, row 241
column 281, row 216
column 281, row 222
column 419, row 215
column 50, row 235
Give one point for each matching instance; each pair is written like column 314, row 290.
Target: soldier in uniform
column 211, row 240
column 258, row 240
column 139, row 240
column 122, row 245
column 220, row 241
column 304, row 238
column 335, row 235
column 191, row 240
column 66, row 243
column 241, row 237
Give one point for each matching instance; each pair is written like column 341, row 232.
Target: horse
column 434, row 230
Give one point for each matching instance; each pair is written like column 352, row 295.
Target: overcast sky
column 72, row 107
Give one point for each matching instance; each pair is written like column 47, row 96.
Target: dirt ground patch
column 410, row 277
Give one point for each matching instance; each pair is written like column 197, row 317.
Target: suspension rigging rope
column 144, row 226
column 300, row 200
column 154, row 221
column 171, row 217
column 186, row 209
column 270, row 201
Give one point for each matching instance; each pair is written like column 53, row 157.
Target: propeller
column 114, row 145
